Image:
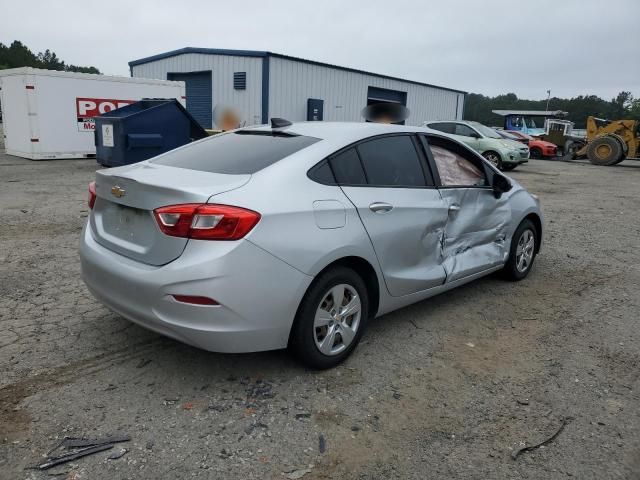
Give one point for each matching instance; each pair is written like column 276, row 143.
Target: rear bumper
column 258, row 293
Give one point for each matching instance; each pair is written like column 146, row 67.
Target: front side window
column 391, row 162
column 464, row 130
column 485, row 131
column 456, row 166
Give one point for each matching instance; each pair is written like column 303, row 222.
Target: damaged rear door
column 474, row 237
column 400, row 208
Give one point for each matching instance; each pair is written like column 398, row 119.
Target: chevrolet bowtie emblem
column 118, row 192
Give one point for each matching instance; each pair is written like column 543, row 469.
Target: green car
column 504, row 154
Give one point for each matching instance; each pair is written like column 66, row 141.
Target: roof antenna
column 280, row 123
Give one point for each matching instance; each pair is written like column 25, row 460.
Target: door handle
column 454, row 208
column 380, row 207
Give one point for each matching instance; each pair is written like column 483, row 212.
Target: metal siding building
column 281, row 86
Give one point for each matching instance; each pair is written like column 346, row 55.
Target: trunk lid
column 122, row 219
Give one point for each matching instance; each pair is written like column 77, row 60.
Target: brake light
column 206, row 221
column 92, row 195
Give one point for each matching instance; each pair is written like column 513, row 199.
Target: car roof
column 334, row 136
column 344, row 132
column 445, row 121
column 463, row 122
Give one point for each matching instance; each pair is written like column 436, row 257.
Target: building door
column 198, row 88
column 384, row 95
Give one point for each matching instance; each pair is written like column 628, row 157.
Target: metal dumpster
column 143, row 130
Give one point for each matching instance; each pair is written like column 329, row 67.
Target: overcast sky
column 572, row 47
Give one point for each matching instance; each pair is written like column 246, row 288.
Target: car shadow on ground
column 382, row 330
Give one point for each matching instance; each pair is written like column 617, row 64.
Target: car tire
column 522, row 252
column 535, row 153
column 493, row 158
column 605, row 151
column 321, row 336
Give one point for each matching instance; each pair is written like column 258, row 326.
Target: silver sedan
column 297, row 235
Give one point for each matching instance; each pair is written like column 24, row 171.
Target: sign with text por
column 87, row 108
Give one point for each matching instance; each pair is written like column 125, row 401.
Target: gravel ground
column 447, row 388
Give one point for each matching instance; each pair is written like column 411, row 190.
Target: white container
column 47, row 114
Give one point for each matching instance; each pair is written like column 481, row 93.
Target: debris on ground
column 116, row 455
column 143, row 363
column 517, row 452
column 68, row 457
column 81, row 447
column 322, row 444
column 88, row 442
column 296, row 474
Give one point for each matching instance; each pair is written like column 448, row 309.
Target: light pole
column 548, row 97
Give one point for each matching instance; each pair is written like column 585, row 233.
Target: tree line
column 478, row 107
column 19, row 55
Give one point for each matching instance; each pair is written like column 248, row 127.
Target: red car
column 537, row 148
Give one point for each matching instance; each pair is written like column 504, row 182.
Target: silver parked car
column 298, row 235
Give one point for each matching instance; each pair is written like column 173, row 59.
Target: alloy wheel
column 493, row 158
column 525, row 250
column 337, row 319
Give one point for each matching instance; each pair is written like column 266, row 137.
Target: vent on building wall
column 240, row 80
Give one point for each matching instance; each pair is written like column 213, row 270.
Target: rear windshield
column 241, row 152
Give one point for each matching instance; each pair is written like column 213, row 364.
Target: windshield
column 507, row 135
column 485, row 131
column 532, row 122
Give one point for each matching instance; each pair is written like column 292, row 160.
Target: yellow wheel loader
column 609, row 141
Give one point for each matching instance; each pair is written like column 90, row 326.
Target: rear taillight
column 92, row 195
column 206, row 221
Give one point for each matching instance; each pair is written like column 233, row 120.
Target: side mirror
column 475, row 135
column 500, row 184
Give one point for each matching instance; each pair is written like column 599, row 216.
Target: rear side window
column 391, row 161
column 347, row 168
column 322, row 174
column 443, row 127
column 241, row 152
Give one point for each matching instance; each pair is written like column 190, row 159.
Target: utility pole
column 548, row 97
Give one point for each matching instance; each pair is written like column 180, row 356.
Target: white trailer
column 48, row 114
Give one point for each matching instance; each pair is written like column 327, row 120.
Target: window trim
column 488, row 171
column 422, row 158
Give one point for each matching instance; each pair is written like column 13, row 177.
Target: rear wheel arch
column 365, row 270
column 351, row 273
column 368, row 274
